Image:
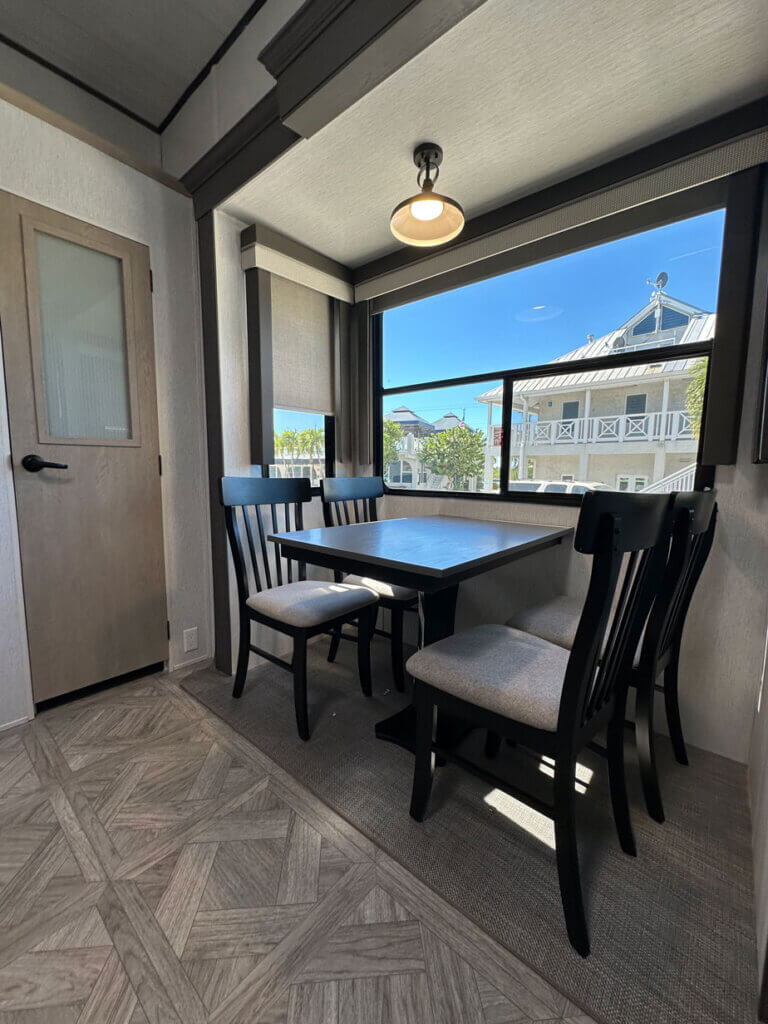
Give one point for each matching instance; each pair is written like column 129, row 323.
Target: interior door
column 77, row 344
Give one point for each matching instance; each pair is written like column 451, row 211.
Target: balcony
column 637, row 427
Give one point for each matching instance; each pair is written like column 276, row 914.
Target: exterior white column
column 488, row 471
column 522, row 469
column 583, row 454
column 664, row 410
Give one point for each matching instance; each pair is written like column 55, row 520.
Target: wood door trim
column 100, row 241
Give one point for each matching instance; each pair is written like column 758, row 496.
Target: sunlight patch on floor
column 520, row 814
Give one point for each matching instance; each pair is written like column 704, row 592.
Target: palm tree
column 311, row 443
column 289, row 443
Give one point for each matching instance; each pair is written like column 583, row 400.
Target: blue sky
column 535, row 314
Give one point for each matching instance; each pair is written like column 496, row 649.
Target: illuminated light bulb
column 426, row 209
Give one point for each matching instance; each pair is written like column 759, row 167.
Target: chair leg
column 618, row 784
column 424, row 761
column 366, row 624
column 300, row 685
column 243, row 655
column 396, row 648
column 567, row 854
column 673, row 708
column 492, row 744
column 646, row 753
column 333, row 650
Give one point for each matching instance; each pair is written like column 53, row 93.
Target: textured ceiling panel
column 142, row 53
column 520, row 95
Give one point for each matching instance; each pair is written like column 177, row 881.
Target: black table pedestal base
column 438, row 613
column 400, row 728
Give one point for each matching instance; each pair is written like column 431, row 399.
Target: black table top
column 439, row 549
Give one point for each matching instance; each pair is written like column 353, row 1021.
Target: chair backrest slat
column 276, row 529
column 263, row 543
column 693, row 531
column 350, row 499
column 251, row 495
column 628, row 538
column 251, row 545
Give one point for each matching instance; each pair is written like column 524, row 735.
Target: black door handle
column 33, row 464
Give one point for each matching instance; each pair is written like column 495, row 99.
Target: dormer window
column 646, row 326
column 671, row 318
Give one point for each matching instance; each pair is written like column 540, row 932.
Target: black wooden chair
column 695, row 516
column 556, row 620
column 299, row 608
column 349, row 500
column 537, row 694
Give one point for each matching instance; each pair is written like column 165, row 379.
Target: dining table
column 429, row 554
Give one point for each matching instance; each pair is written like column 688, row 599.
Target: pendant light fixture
column 427, row 218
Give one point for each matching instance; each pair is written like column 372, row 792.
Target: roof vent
column 590, row 338
column 620, row 341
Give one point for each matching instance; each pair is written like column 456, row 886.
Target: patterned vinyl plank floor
column 156, row 867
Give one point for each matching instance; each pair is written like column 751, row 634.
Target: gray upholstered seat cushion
column 555, row 620
column 390, row 590
column 500, row 669
column 308, row 603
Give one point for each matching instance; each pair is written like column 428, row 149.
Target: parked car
column 558, row 486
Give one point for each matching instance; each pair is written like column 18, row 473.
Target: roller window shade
column 302, row 348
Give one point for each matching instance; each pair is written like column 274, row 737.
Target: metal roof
column 402, row 415
column 448, row 422
column 701, row 327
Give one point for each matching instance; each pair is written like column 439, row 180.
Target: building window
column 627, row 482
column 303, row 444
column 570, row 410
column 635, row 404
column 627, row 416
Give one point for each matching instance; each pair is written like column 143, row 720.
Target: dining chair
column 299, row 608
column 695, row 517
column 556, row 620
column 545, row 698
column 352, row 499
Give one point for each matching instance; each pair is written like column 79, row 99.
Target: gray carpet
column 672, row 931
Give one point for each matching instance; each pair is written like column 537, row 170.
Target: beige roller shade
column 302, row 348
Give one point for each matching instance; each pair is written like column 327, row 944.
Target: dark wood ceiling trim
column 742, row 121
column 233, row 36
column 303, row 28
column 74, row 80
column 333, row 52
column 256, row 140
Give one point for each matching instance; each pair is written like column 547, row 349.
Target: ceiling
column 141, row 54
column 519, row 95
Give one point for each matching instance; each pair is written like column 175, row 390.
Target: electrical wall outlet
column 190, row 639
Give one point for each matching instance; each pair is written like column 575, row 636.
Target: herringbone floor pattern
column 155, row 867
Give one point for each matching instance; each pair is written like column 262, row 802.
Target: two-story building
column 630, row 428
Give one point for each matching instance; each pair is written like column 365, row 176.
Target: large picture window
column 586, row 371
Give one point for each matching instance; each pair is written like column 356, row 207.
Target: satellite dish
column 661, row 280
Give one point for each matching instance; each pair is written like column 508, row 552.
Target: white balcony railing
column 648, row 426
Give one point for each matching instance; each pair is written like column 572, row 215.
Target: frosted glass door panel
column 84, row 354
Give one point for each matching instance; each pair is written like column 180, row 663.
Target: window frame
column 692, row 202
